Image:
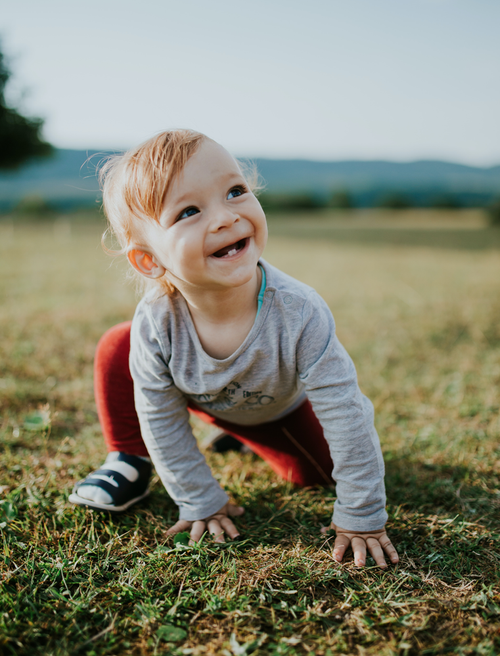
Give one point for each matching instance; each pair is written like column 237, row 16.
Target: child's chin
column 241, row 276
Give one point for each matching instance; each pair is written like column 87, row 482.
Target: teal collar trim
column 260, row 297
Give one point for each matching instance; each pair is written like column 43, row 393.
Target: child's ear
column 146, row 263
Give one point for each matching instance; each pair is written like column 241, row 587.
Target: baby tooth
column 232, row 251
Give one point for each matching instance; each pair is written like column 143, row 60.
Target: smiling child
column 226, row 336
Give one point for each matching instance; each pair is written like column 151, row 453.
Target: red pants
column 293, row 446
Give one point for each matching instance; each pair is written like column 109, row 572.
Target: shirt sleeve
column 163, row 417
column 346, row 416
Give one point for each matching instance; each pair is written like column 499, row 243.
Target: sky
column 318, row 79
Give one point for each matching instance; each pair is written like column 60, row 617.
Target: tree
column 445, row 202
column 494, row 212
column 394, row 201
column 341, row 199
column 20, row 137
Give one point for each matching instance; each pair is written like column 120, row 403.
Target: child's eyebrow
column 187, row 197
column 182, row 199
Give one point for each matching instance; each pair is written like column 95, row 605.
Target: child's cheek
column 188, row 252
column 264, row 234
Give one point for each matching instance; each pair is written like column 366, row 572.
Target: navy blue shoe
column 222, row 442
column 122, row 481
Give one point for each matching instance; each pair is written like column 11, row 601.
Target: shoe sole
column 80, row 501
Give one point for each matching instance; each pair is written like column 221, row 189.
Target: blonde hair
column 135, row 184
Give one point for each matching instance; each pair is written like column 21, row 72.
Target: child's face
column 212, row 230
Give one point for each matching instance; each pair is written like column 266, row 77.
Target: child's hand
column 376, row 541
column 217, row 524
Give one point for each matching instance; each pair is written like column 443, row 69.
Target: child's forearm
column 346, row 417
column 358, row 466
column 183, row 470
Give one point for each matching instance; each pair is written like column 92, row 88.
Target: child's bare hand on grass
column 217, row 524
column 376, row 541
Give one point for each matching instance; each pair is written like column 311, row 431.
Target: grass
column 423, row 327
column 443, row 229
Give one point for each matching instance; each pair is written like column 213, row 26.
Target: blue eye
column 236, row 191
column 189, row 211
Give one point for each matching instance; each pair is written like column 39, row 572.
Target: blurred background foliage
column 20, row 137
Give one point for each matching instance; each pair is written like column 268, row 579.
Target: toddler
column 230, row 338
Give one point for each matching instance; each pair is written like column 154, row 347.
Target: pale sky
column 321, row 79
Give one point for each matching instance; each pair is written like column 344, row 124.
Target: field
column 421, row 319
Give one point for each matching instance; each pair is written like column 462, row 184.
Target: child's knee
column 114, row 345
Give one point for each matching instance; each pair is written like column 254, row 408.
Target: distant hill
column 69, row 179
column 287, row 175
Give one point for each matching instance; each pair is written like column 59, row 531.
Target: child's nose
column 223, row 217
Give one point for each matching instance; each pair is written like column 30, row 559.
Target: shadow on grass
column 278, row 513
column 443, row 490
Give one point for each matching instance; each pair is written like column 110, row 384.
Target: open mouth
column 231, row 249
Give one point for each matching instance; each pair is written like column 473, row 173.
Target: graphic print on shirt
column 232, row 395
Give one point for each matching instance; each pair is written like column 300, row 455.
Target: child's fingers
column 339, row 547
column 197, row 530
column 358, row 546
column 376, row 551
column 235, row 511
column 216, row 530
column 389, row 549
column 377, row 542
column 178, row 527
column 229, row 527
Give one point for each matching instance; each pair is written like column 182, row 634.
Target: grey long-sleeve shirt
column 291, row 352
